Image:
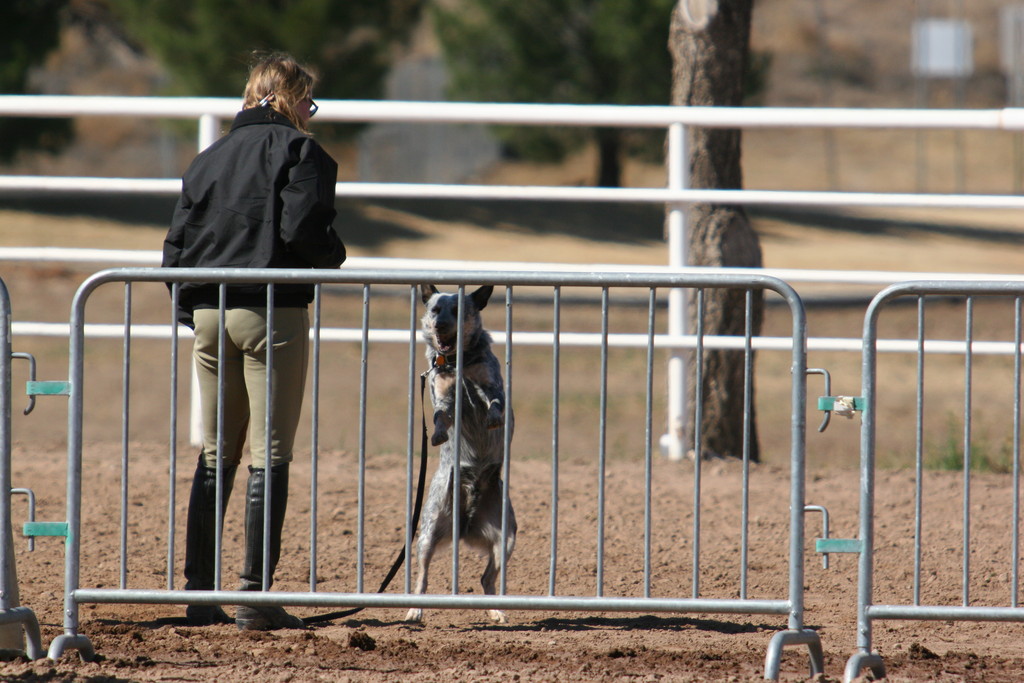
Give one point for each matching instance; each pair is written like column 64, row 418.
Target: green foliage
column 29, row 30
column 558, row 51
column 567, row 51
column 206, row 45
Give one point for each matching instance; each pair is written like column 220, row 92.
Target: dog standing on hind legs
column 481, row 442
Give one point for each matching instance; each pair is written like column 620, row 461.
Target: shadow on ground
column 598, row 221
column 839, row 221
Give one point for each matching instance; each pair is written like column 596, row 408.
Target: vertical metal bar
column 219, row 493
column 5, row 444
column 363, row 375
column 698, row 447
column 648, row 438
column 1015, row 570
column 172, row 465
column 678, row 179
column 268, row 427
column 968, row 372
column 76, row 365
column 314, row 475
column 602, row 442
column 125, row 402
column 506, row 466
column 798, row 466
column 410, row 443
column 748, row 395
column 865, row 561
column 919, row 454
column 456, row 473
column 1017, row 339
column 555, row 392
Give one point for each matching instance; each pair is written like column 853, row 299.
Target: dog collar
column 442, row 361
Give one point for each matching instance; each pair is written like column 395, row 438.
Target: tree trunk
column 709, row 41
column 609, row 145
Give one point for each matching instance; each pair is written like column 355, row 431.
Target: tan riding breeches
column 245, row 381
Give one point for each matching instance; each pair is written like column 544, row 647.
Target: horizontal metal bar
column 690, row 277
column 433, row 601
column 950, row 287
column 156, row 331
column 945, row 613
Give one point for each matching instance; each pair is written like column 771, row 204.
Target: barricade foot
column 861, row 661
column 807, row 637
column 26, row 618
column 69, row 641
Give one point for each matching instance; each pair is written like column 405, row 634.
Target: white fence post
column 208, row 132
column 678, row 179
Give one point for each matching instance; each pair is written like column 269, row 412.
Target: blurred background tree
column 29, row 30
column 561, row 51
column 710, row 44
column 206, row 45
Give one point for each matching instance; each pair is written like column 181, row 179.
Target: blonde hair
column 283, row 82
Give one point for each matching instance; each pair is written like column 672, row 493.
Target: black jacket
column 260, row 197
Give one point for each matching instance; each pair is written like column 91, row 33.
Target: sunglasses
column 313, row 106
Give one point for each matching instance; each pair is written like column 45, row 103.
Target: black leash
column 331, row 616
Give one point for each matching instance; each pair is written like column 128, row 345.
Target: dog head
column 441, row 319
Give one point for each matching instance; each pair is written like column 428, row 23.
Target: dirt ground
column 149, row 643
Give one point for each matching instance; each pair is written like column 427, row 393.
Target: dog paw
column 438, row 438
column 497, row 616
column 414, row 616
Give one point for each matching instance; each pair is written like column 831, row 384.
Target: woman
column 260, row 197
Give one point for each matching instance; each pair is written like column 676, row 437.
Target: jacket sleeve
column 307, row 208
column 174, row 244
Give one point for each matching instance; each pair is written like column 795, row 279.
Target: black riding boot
column 264, row 618
column 201, row 539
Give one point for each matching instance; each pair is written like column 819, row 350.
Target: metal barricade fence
column 10, row 612
column 931, row 549
column 668, row 597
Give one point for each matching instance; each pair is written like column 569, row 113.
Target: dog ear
column 481, row 296
column 427, row 291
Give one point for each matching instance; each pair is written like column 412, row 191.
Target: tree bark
column 709, row 41
column 609, row 146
